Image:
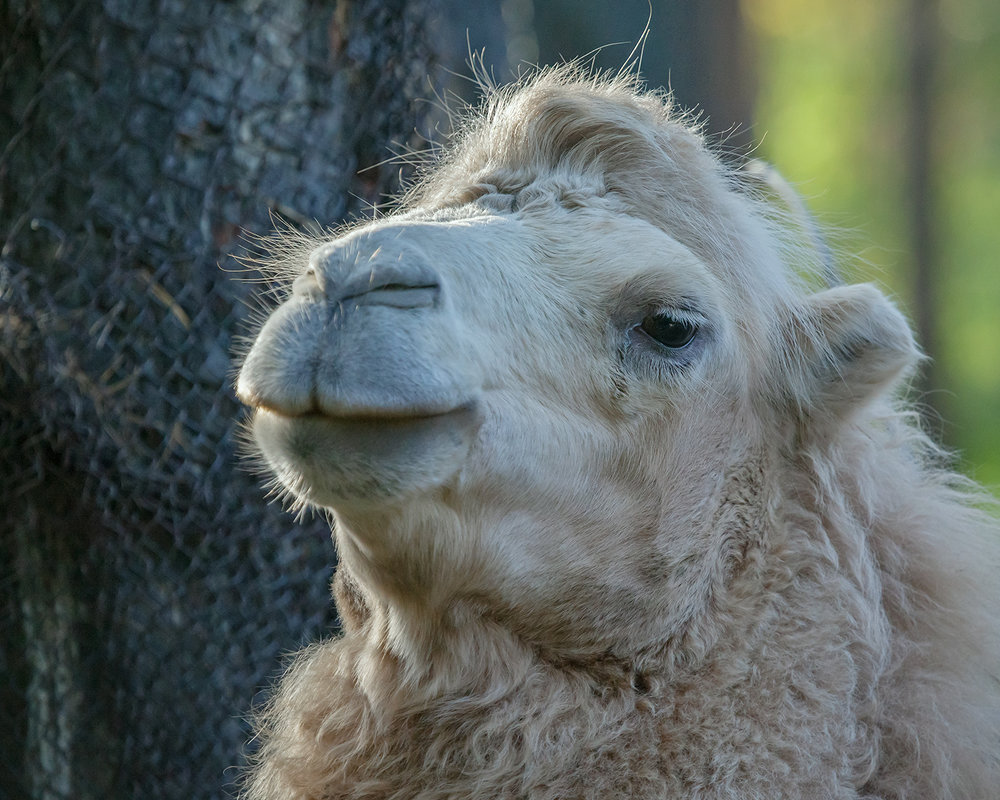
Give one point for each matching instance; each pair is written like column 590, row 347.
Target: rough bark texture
column 145, row 593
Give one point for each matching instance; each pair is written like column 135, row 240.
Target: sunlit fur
column 748, row 577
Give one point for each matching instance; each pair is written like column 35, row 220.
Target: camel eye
column 669, row 330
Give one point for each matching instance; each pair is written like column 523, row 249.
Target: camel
column 625, row 504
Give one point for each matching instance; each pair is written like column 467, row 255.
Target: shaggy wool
column 822, row 625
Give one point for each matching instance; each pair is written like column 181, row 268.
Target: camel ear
column 849, row 345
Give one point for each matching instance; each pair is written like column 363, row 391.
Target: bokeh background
column 148, row 592
column 887, row 115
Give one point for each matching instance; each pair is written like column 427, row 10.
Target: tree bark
column 146, row 591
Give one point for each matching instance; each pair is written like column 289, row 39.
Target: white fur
column 576, row 564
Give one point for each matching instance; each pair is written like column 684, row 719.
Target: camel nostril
column 396, row 295
column 370, row 271
column 404, row 283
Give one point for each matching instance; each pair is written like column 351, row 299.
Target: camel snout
column 367, row 332
column 347, row 275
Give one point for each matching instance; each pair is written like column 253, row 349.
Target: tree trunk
column 146, row 592
column 922, row 47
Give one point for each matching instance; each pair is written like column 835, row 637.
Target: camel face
column 567, row 378
column 373, row 380
column 363, row 384
column 553, row 393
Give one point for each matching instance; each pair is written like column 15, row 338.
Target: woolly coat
column 841, row 641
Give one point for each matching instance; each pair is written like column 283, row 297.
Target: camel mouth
column 387, row 353
column 370, row 416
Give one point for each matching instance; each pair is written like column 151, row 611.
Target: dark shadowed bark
column 146, row 593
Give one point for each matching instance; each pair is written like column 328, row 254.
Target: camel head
column 550, row 394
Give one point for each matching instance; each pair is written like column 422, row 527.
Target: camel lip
column 368, row 416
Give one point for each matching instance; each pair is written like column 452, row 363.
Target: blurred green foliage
column 832, row 116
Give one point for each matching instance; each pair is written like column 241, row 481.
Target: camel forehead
column 606, row 249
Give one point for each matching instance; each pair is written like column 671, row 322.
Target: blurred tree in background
column 147, row 591
column 835, row 112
